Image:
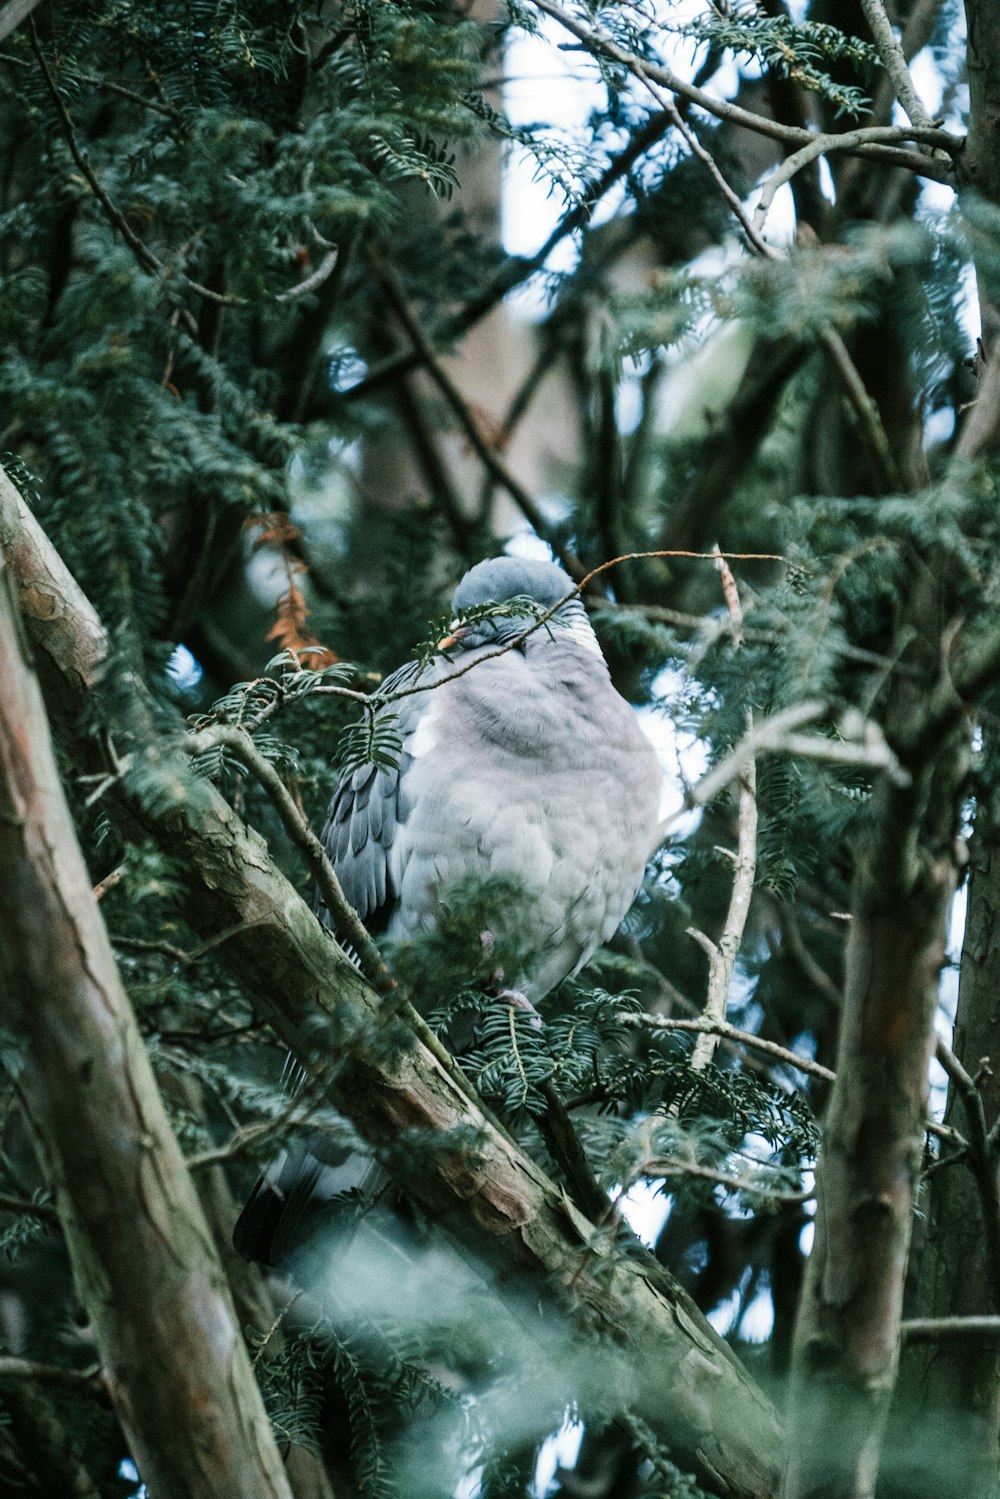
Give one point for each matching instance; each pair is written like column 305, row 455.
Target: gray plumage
column 529, row 765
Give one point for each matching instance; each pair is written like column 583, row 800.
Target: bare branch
column 863, row 745
column 723, row 954
column 864, row 409
column 24, row 1206
column 894, row 61
column 141, row 251
column 727, row 1032
column 668, row 1168
column 819, row 145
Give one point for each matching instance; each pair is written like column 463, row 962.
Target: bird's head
column 490, row 593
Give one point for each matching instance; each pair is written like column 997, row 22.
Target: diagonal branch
column 894, row 61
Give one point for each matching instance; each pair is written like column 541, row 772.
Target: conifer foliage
column 701, row 1213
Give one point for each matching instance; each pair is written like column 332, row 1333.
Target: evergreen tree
column 267, row 394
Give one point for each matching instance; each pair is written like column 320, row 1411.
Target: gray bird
column 530, row 765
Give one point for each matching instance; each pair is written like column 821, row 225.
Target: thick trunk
column 947, row 1427
column 667, row 1362
column 981, row 161
column 847, row 1335
column 174, row 1362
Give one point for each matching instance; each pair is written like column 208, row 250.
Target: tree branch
column 723, row 954
column 894, row 62
column 156, row 1294
column 516, row 269
column 727, row 1032
column 949, row 1329
column 25, row 1369
column 345, row 919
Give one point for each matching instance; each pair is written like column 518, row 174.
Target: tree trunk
column 947, row 1429
column 847, row 1336
column 174, row 1363
column 666, row 1361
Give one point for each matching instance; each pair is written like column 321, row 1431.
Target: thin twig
column 705, row 156
column 722, row 955
column 542, row 620
column 143, row 254
column 141, row 251
column 565, row 1147
column 345, row 918
column 248, row 1137
column 669, row 1167
column 132, row 94
column 283, row 1313
column 727, row 1032
column 182, row 955
column 865, row 410
column 863, row 746
column 109, row 882
column 322, row 273
column 819, row 145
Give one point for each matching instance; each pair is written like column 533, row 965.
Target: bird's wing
column 360, row 837
column 366, row 809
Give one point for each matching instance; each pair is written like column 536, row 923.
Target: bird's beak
column 448, row 642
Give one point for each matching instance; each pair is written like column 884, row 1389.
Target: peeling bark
column 174, row 1364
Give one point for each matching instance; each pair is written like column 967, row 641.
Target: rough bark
column 847, row 1335
column 981, row 160
column 174, row 1363
column 665, row 1359
column 947, row 1427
